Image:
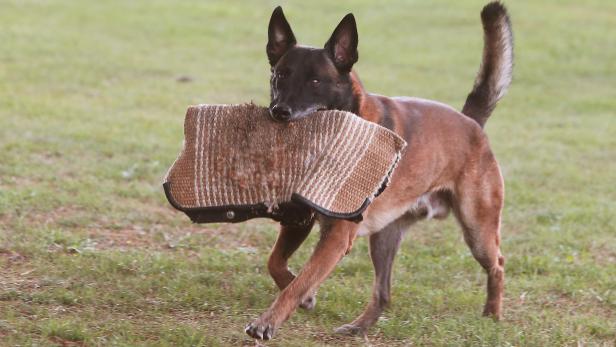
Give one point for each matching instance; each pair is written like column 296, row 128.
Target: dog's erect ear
column 342, row 45
column 280, row 36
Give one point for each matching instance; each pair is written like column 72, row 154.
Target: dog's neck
column 365, row 105
column 359, row 93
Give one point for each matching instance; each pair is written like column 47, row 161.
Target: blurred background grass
column 92, row 99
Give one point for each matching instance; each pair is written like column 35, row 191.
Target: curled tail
column 494, row 74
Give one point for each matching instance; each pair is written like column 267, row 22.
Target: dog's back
column 443, row 142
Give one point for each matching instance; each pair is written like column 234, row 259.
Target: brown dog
column 448, row 165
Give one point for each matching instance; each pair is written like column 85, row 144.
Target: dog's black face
column 305, row 79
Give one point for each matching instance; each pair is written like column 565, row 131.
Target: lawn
column 92, row 100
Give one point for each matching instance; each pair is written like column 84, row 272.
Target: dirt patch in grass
column 11, row 256
column 66, row 343
column 586, row 303
column 12, row 182
column 165, row 237
column 162, row 229
column 18, row 276
column 604, row 254
column 57, row 216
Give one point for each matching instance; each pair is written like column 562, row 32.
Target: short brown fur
column 448, row 165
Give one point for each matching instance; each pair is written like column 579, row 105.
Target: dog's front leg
column 289, row 239
column 336, row 240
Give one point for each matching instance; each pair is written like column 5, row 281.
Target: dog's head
column 306, row 79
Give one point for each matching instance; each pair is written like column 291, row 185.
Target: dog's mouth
column 307, row 112
column 295, row 116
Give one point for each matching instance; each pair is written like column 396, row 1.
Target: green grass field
column 91, row 114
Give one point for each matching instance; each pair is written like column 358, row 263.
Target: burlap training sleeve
column 238, row 164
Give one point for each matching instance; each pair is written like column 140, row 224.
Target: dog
column 448, row 165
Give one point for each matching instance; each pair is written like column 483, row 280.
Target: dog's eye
column 315, row 82
column 280, row 75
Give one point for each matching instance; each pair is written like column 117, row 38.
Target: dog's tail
column 494, row 74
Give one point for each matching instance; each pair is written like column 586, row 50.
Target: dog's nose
column 281, row 112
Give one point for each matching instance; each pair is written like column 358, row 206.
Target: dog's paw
column 492, row 310
column 260, row 329
column 350, row 329
column 309, row 303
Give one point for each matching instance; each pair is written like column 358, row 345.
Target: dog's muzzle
column 280, row 113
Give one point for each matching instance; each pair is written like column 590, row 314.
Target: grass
column 91, row 112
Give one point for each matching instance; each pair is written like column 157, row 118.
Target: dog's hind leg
column 477, row 205
column 383, row 248
column 289, row 240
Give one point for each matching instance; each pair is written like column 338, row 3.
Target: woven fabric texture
column 235, row 155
